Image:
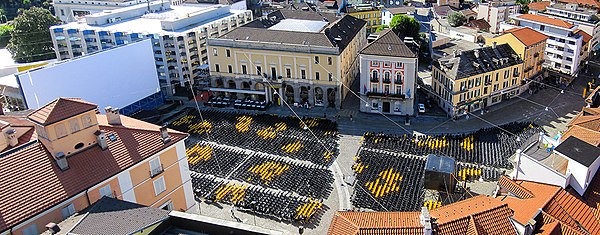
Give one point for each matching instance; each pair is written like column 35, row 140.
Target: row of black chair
column 213, row 159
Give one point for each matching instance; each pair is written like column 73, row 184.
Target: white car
column 421, row 108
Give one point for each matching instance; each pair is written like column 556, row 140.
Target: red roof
column 514, row 188
column 546, row 20
column 586, row 36
column 539, row 6
column 479, row 215
column 527, row 36
column 591, row 3
column 60, row 109
column 586, row 125
column 31, row 182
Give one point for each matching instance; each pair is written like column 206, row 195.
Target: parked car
column 421, row 108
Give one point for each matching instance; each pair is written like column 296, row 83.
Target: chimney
column 11, row 137
column 52, row 228
column 61, row 161
column 113, row 116
column 426, row 221
column 101, row 139
column 493, row 45
column 164, row 134
column 476, row 52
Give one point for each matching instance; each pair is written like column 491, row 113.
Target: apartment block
column 64, row 156
column 529, row 45
column 471, row 80
column 388, row 74
column 304, row 57
column 564, row 46
column 497, row 11
column 368, row 13
column 178, row 35
column 71, row 11
column 586, row 19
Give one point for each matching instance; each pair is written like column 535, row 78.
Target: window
column 542, row 27
column 229, row 69
column 61, row 131
column 316, row 59
column 374, row 63
column 244, row 69
column 67, row 211
column 398, row 77
column 159, row 186
column 62, row 12
column 317, row 76
column 374, row 87
column 106, row 191
column 273, row 72
column 330, row 77
column 228, row 53
column 386, row 89
column 155, row 167
column 87, row 121
column 167, row 206
column 217, row 68
column 329, row 61
column 258, row 70
column 398, row 89
column 31, row 230
column 303, row 73
column 386, row 76
column 386, row 64
column 288, row 72
column 215, row 52
column 398, row 64
column 375, row 75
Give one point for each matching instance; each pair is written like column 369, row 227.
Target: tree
column 456, row 19
column 30, row 39
column 381, row 27
column 5, row 31
column 405, row 25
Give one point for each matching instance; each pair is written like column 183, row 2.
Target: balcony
column 516, row 74
column 374, row 79
column 156, row 171
column 397, row 81
column 388, row 81
column 385, row 95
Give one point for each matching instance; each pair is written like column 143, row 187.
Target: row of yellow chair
column 269, row 170
column 387, row 182
column 293, row 147
column 359, row 167
column 468, row 173
column 327, row 155
column 243, row 123
column 432, row 143
column 467, row 143
column 235, row 192
column 200, row 127
column 310, row 123
column 187, row 119
column 199, row 153
column 432, row 204
column 306, row 210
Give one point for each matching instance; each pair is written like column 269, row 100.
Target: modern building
column 388, row 13
column 370, row 14
column 64, row 156
column 71, row 11
column 497, row 11
column 529, row 45
column 516, row 207
column 178, row 35
column 564, row 46
column 388, row 71
column 124, row 77
column 303, row 56
column 471, row 80
column 591, row 4
column 586, row 19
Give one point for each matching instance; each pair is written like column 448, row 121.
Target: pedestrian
column 232, row 212
column 350, row 117
column 301, row 229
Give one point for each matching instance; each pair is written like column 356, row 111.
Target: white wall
column 532, row 170
column 116, row 77
column 580, row 173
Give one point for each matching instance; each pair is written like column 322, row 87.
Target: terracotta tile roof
column 586, row 36
column 375, row 223
column 574, row 212
column 388, row 44
column 527, row 36
column 585, row 134
column 593, row 3
column 31, row 177
column 514, row 188
column 585, row 126
column 526, row 209
column 480, row 24
column 60, row 109
column 539, row 6
column 552, row 226
column 546, row 20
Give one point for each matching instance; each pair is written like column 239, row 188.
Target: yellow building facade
column 529, row 45
column 370, row 14
column 305, row 68
column 464, row 87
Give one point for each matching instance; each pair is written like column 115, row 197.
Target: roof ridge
column 472, row 227
column 527, row 193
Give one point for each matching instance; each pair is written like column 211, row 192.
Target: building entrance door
column 386, row 107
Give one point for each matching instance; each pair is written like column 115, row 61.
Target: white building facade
column 178, row 35
column 388, row 70
column 586, row 19
column 495, row 12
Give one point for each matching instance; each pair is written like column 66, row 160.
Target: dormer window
column 60, row 130
column 74, row 125
column 87, row 121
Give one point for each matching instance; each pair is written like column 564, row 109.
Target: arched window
column 374, row 74
column 387, row 75
column 398, row 77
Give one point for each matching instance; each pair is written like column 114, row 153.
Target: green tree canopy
column 405, row 25
column 5, row 31
column 456, row 19
column 30, row 40
column 381, row 27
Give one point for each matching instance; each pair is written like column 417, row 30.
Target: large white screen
column 117, row 77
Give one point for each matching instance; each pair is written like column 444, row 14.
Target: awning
column 237, row 91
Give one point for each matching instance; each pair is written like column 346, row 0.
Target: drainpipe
column 518, row 163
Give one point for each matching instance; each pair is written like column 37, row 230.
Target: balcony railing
column 374, row 79
column 387, row 81
column 385, row 95
column 156, row 171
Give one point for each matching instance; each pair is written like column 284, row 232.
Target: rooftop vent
column 61, row 161
column 476, row 53
column 389, row 48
